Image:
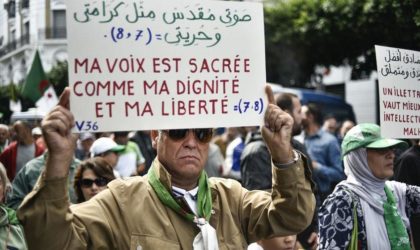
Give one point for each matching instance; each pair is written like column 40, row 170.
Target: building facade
column 27, row 25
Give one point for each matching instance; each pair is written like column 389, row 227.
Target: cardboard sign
column 155, row 64
column 399, row 91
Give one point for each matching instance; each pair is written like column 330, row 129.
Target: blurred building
column 26, row 25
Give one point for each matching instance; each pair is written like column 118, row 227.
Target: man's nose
column 190, row 139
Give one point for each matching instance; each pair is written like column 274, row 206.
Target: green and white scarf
column 397, row 233
column 207, row 238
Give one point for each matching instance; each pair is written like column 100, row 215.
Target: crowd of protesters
column 323, row 186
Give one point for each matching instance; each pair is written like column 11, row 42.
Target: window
column 59, row 24
column 11, row 9
column 25, row 3
column 12, row 37
column 25, row 33
column 25, row 28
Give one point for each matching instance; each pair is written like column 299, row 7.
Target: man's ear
column 154, row 135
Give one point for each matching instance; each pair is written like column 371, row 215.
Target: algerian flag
column 15, row 106
column 36, row 82
column 47, row 101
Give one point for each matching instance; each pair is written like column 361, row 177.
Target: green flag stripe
column 36, row 81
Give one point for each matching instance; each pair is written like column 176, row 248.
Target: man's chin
column 192, row 168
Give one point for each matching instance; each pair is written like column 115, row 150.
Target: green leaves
column 330, row 32
column 59, row 77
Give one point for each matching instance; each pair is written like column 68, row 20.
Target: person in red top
column 19, row 152
column 4, row 137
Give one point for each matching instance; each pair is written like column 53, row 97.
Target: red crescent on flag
column 43, row 85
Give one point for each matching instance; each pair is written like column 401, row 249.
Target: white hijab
column 370, row 190
column 361, row 180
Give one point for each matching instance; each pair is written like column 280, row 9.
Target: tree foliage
column 59, row 77
column 4, row 104
column 303, row 33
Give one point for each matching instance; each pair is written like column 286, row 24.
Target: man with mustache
column 175, row 206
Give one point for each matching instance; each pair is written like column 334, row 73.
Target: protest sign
column 399, row 91
column 156, row 64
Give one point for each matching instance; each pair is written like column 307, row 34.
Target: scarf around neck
column 204, row 202
column 397, row 233
column 7, row 216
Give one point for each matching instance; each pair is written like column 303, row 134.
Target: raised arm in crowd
column 174, row 206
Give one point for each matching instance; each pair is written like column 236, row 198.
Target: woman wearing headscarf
column 11, row 232
column 367, row 211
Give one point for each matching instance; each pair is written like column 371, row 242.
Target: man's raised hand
column 277, row 130
column 56, row 129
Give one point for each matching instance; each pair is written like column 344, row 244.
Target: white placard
column 156, row 64
column 399, row 91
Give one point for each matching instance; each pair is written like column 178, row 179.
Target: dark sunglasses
column 87, row 183
column 382, row 151
column 202, row 135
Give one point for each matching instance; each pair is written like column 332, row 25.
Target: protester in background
column 175, row 206
column 255, row 159
column 18, row 153
column 83, row 145
column 26, row 178
column 407, row 170
column 4, row 137
column 344, row 128
column 108, row 149
column 233, row 153
column 277, row 243
column 224, row 139
column 399, row 151
column 324, row 151
column 214, row 165
column 130, row 160
column 11, row 232
column 92, row 176
column 407, row 167
column 37, row 135
column 330, row 124
column 256, row 164
column 142, row 138
column 367, row 211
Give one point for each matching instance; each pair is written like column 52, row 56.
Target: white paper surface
column 399, row 91
column 156, row 64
